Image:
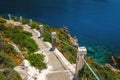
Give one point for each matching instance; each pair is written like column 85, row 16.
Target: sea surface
column 96, row 23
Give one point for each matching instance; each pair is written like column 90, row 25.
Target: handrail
column 97, row 78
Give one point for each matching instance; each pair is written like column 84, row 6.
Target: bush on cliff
column 37, row 60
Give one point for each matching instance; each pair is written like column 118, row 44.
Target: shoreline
column 74, row 41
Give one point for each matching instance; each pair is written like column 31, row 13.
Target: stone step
column 59, row 75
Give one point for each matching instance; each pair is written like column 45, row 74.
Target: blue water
column 96, row 23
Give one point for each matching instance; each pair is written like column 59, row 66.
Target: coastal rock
column 112, row 68
column 73, row 40
column 116, row 61
column 65, row 29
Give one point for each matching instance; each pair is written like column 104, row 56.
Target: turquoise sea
column 96, row 23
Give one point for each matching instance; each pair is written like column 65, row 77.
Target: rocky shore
column 116, row 61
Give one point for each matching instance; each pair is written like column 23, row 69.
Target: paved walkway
column 58, row 71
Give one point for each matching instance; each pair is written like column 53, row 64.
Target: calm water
column 96, row 23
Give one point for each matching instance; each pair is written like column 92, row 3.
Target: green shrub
column 2, row 77
column 5, row 61
column 25, row 41
column 47, row 37
column 11, row 74
column 30, row 44
column 28, row 33
column 18, row 28
column 36, row 60
column 16, row 19
column 8, row 48
column 25, row 21
column 19, row 37
column 2, row 20
column 104, row 73
column 72, row 53
column 2, row 27
column 35, row 25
